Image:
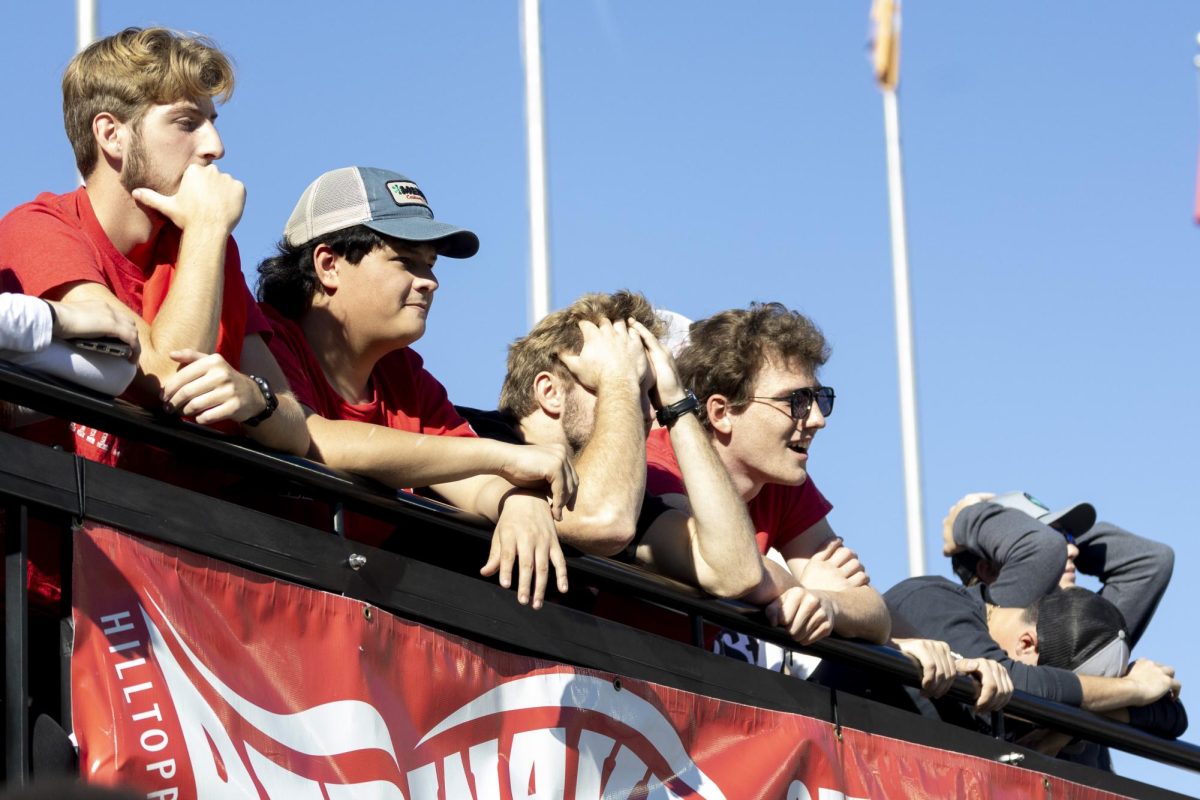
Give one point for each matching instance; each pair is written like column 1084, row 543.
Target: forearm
column 860, row 613
column 284, row 430
column 400, row 459
column 612, row 475
column 774, row 580
column 721, row 534
column 1134, row 571
column 1109, row 694
column 1029, row 555
column 484, row 495
column 191, row 314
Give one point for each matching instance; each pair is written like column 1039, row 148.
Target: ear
column 720, row 413
column 327, row 265
column 112, row 137
column 549, row 393
column 1027, row 645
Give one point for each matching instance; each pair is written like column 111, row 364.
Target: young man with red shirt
column 348, row 293
column 754, row 374
column 149, row 234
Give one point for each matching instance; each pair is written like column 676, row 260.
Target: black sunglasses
column 801, row 401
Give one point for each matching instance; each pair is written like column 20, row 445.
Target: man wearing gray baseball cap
column 348, row 292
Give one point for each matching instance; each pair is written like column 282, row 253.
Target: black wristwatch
column 270, row 398
column 688, row 405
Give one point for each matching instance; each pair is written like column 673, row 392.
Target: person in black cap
column 1022, row 549
column 1069, row 646
column 349, row 291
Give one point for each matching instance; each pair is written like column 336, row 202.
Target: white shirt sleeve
column 26, row 326
column 25, row 323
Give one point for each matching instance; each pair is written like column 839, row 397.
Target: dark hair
column 726, row 351
column 1072, row 624
column 287, row 280
column 964, row 564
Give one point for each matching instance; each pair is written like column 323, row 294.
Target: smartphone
column 108, row 345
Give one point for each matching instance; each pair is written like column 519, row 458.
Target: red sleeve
column 663, row 475
column 784, row 512
column 291, row 351
column 438, row 416
column 42, row 252
column 256, row 320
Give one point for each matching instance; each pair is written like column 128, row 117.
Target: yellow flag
column 885, row 44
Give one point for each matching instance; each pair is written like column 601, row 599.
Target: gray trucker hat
column 1075, row 520
column 386, row 202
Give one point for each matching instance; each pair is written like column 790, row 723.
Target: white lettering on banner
column 535, row 767
column 537, row 764
column 113, row 621
column 589, row 693
column 152, row 740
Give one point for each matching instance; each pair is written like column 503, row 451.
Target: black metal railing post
column 16, row 644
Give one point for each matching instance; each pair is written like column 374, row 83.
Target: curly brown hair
column 126, row 73
column 559, row 332
column 726, row 351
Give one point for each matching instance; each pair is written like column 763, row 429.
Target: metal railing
column 413, row 581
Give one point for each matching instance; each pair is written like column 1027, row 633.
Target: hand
column 206, row 197
column 611, row 351
column 834, row 568
column 936, row 663
column 89, row 319
column 995, row 684
column 208, row 389
column 1153, row 680
column 949, row 546
column 533, row 465
column 807, row 615
column 525, row 533
column 668, row 388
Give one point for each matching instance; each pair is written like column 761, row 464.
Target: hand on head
column 668, row 388
column 610, row 352
column 949, row 547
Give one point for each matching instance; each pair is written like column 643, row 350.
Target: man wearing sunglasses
column 753, row 372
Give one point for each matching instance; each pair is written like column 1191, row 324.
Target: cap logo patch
column 407, row 193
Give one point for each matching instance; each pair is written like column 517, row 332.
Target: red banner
column 195, row 679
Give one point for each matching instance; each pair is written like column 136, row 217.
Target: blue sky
column 711, row 158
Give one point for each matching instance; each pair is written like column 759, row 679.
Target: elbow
column 733, row 583
column 604, row 534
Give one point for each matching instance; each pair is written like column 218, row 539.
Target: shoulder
column 925, row 586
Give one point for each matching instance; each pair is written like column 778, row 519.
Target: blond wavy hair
column 559, row 332
column 126, row 73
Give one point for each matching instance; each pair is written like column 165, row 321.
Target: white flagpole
column 85, row 23
column 535, row 138
column 885, row 59
column 910, row 442
column 85, row 30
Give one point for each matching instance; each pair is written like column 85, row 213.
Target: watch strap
column 270, row 398
column 668, row 414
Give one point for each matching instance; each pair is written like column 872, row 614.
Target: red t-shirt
column 404, row 396
column 779, row 513
column 56, row 240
